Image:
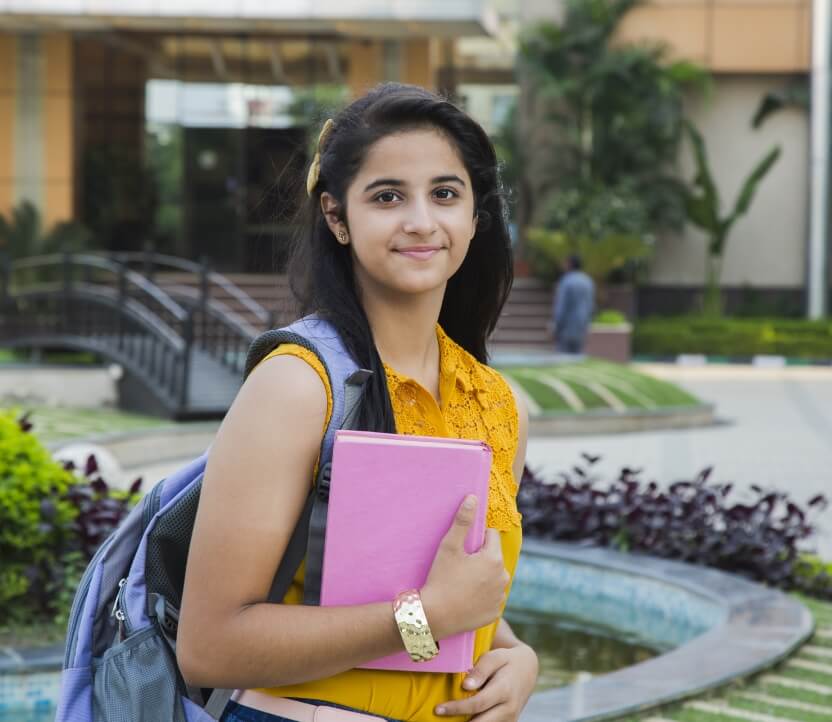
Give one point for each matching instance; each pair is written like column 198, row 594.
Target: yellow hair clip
column 315, row 168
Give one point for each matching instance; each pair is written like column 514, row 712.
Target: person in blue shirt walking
column 572, row 309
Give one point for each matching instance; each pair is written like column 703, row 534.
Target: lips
column 419, row 253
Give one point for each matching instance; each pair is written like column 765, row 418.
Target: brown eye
column 453, row 194
column 385, row 196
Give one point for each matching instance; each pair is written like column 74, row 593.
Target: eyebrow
column 397, row 182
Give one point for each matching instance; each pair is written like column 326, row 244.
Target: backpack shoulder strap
column 347, row 382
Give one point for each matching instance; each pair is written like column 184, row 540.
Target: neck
column 404, row 330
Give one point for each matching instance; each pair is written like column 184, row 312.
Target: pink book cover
column 392, row 499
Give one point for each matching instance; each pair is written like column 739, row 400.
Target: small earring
column 342, row 236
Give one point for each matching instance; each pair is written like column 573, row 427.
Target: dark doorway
column 214, row 186
column 241, row 188
column 275, row 159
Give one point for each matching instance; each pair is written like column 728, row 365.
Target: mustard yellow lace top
column 475, row 403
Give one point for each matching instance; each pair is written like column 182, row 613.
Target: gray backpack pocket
column 135, row 681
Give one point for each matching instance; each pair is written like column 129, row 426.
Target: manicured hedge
column 733, row 337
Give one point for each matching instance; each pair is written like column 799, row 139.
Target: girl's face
column 410, row 214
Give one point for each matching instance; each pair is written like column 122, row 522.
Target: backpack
column 120, row 658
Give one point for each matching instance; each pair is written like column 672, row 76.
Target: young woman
column 406, row 252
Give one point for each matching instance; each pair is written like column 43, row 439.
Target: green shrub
column 794, row 338
column 35, row 523
column 602, row 257
column 610, row 317
column 814, row 576
column 53, row 518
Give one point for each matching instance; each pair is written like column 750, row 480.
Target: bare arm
column 257, row 479
column 504, row 637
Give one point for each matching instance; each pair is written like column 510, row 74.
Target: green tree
column 165, row 148
column 312, row 105
column 795, row 94
column 613, row 116
column 704, row 209
column 513, row 157
column 23, row 234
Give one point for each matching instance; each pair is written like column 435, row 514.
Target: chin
column 414, row 286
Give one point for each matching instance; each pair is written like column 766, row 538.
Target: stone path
column 775, row 430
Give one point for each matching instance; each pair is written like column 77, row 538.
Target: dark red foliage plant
column 691, row 520
column 100, row 507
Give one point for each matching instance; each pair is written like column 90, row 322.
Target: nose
column 419, row 218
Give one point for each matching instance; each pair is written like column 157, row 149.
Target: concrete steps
column 523, row 321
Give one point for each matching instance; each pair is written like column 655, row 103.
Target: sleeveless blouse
column 475, row 403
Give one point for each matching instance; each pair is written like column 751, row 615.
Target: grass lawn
column 595, row 384
column 59, row 423
column 71, row 358
column 33, row 635
column 797, row 690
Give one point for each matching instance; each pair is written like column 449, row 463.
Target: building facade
column 752, row 48
column 185, row 124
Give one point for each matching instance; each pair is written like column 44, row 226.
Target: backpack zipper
column 120, row 613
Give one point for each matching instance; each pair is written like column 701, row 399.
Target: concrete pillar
column 58, row 128
column 28, row 122
column 36, row 124
column 8, row 92
column 818, row 247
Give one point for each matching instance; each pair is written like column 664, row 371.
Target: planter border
column 607, row 421
column 756, row 628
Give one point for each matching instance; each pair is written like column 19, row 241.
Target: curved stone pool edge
column 726, row 627
column 749, row 628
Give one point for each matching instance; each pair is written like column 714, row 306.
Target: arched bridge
column 181, row 348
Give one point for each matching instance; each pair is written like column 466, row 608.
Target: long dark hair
column 320, row 269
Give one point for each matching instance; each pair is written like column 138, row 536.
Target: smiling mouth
column 419, row 254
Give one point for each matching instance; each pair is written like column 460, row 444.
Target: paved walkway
column 775, row 430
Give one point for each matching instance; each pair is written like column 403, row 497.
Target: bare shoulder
column 258, row 475
column 279, row 385
column 277, row 417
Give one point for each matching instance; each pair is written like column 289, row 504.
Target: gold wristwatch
column 413, row 626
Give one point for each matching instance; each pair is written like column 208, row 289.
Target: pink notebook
column 392, row 499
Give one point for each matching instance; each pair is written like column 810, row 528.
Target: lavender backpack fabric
column 120, row 658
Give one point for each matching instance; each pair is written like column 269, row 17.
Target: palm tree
column 22, row 234
column 611, row 122
column 703, row 205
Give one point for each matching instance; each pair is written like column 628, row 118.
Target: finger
column 487, row 666
column 492, row 546
column 480, row 702
column 498, row 713
column 462, row 521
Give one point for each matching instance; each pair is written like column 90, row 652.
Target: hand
column 505, row 679
column 465, row 591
